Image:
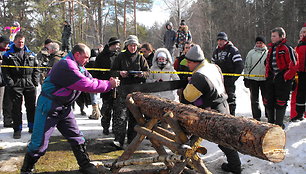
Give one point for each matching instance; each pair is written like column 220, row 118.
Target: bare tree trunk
column 124, row 20
column 178, row 11
column 135, row 22
column 100, row 6
column 71, row 11
column 116, row 18
column 104, row 24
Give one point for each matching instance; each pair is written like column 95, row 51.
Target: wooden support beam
column 172, row 145
column 141, row 121
column 133, row 146
column 179, row 167
column 147, row 171
column 148, row 160
column 181, row 137
column 164, row 132
column 135, row 111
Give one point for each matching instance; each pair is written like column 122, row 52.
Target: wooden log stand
column 188, row 125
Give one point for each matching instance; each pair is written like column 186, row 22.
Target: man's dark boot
column 234, row 163
column 280, row 114
column 226, row 167
column 28, row 164
column 83, row 160
column 232, row 108
column 298, row 117
column 17, row 134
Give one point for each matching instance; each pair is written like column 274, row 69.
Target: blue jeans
column 95, row 99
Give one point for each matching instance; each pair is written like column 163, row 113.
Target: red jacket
column 301, row 54
column 285, row 60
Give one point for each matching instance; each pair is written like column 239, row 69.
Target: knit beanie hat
column 113, row 41
column 222, row 36
column 132, row 39
column 259, row 38
column 195, row 54
column 47, row 41
column 183, row 22
column 4, row 39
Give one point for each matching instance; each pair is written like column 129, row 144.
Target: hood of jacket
column 170, row 24
column 169, row 62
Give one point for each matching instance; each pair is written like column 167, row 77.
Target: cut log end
column 273, row 144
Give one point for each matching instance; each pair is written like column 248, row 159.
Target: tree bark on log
column 246, row 135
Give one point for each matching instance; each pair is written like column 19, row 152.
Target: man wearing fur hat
column 228, row 58
column 130, row 67
column 206, row 90
column 105, row 60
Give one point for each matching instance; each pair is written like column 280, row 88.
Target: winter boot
column 28, row 164
column 17, row 134
column 232, row 108
column 234, row 163
column 226, row 167
column 298, row 117
column 280, row 114
column 96, row 114
column 83, row 159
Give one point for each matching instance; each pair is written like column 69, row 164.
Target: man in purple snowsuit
column 60, row 89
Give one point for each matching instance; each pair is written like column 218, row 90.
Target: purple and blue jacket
column 67, row 80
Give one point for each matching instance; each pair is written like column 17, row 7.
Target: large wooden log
column 246, row 135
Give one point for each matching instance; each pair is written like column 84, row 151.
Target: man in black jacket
column 66, row 37
column 105, row 61
column 228, row 58
column 21, row 82
column 132, row 67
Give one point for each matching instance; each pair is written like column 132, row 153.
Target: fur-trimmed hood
column 169, row 63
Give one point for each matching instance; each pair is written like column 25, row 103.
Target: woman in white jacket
column 254, row 65
column 162, row 61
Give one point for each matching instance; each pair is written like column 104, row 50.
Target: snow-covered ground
column 294, row 163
